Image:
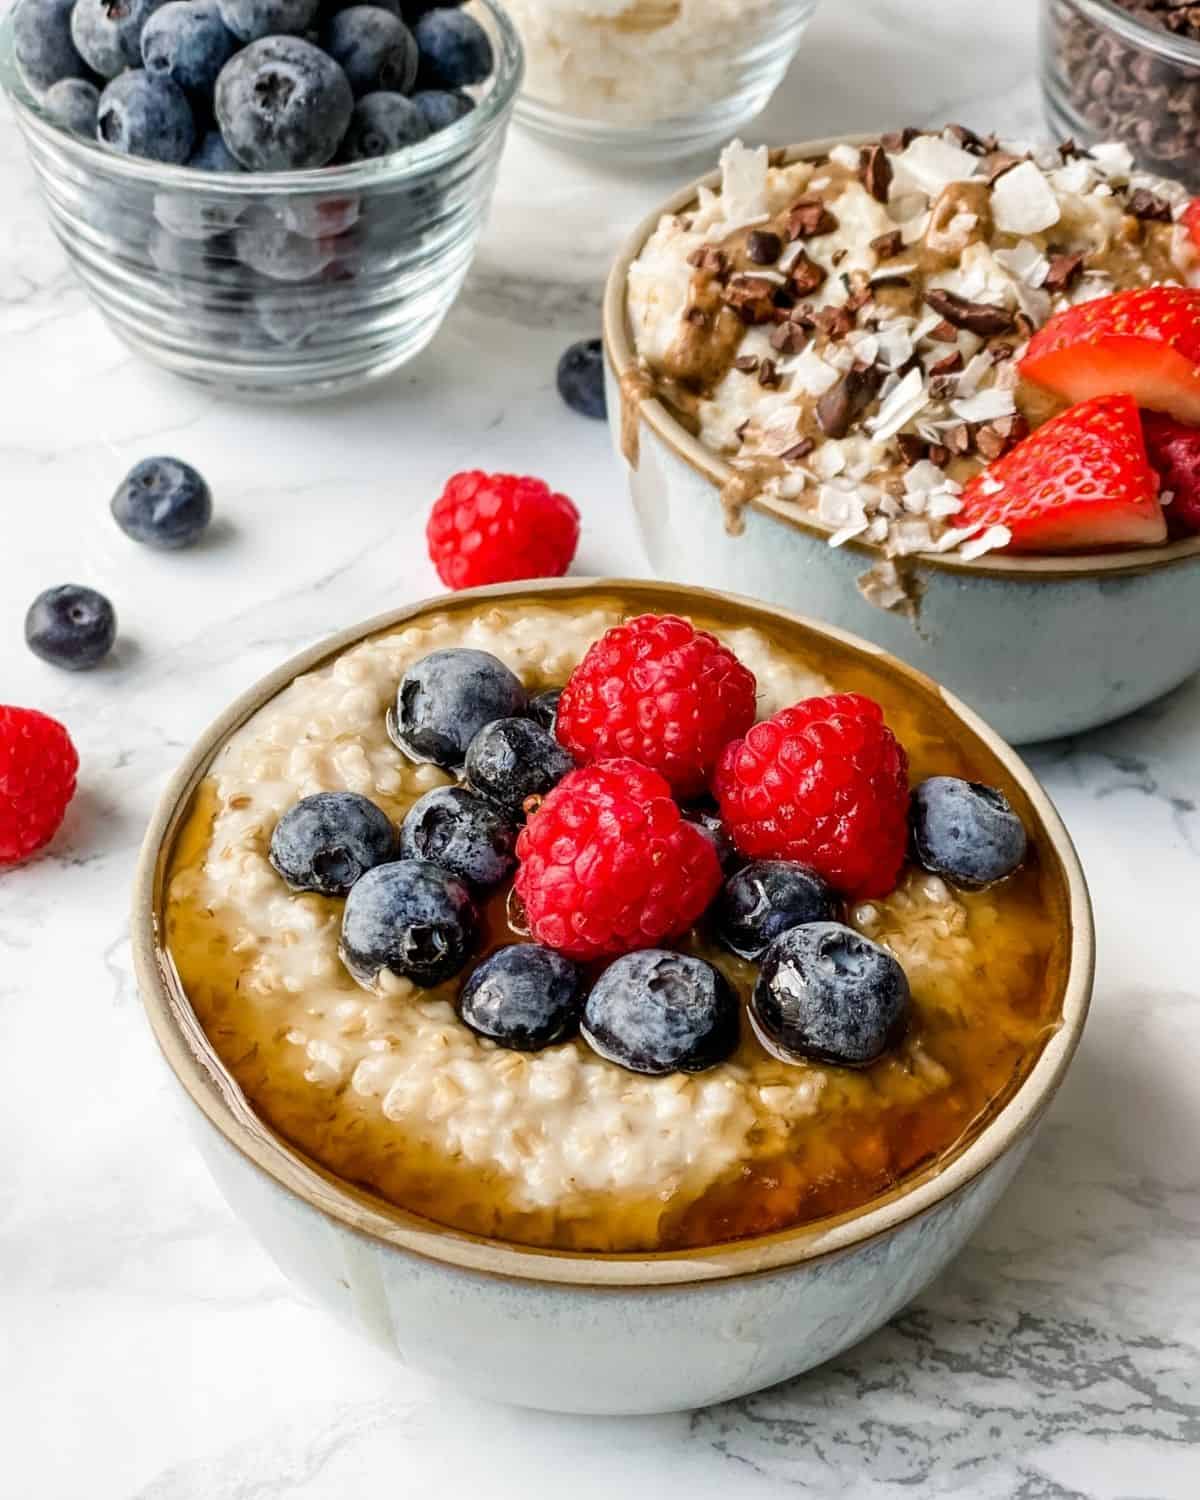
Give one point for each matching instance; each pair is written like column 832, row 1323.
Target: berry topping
column 827, row 994
column 375, row 50
column 660, row 691
column 413, row 919
column 768, row 897
column 581, row 378
column 452, row 827
column 282, row 104
column 454, row 50
column 446, row 698
column 498, row 528
column 328, row 842
column 543, row 709
column 1144, row 343
column 608, row 864
column 512, row 761
column 142, row 114
column 824, row 784
column 162, row 502
column 965, row 832
column 659, row 1012
column 71, row 626
column 1080, row 480
column 525, row 997
column 37, row 780
column 1174, row 451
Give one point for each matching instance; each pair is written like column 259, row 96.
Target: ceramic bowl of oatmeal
column 548, row 1222
column 822, row 363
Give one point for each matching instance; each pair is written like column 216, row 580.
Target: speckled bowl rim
column 623, row 362
column 212, row 1089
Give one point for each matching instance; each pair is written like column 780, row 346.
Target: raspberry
column 608, row 864
column 824, row 783
column 497, row 528
column 1174, row 450
column 662, row 692
column 37, row 779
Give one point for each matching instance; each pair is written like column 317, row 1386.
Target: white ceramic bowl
column 604, row 1333
column 1040, row 646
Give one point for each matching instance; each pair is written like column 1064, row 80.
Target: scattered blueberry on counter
column 656, row 1012
column 412, row 918
column 965, row 832
column 163, row 503
column 764, row 899
column 512, row 761
column 71, row 626
column 452, row 827
column 524, row 997
column 327, row 842
column 580, row 379
column 446, row 698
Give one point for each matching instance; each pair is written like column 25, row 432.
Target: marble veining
column 151, row 1351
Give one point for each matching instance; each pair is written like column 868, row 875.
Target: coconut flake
column 992, row 539
column 846, row 156
column 908, row 398
column 1023, row 202
column 1025, row 261
column 1075, row 176
column 942, row 504
column 810, row 372
column 830, row 459
column 972, row 375
column 895, row 346
column 1113, row 159
column 744, row 182
column 930, row 164
column 924, row 477
column 985, row 406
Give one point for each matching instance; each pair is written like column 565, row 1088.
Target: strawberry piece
column 1190, row 219
column 1145, row 343
column 1174, row 450
column 1081, row 480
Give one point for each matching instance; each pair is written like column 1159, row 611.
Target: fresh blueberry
column 455, row 50
column 327, row 842
column 42, row 43
column 710, row 825
column 71, row 626
column 274, row 251
column 108, row 34
column 766, row 898
column 206, row 272
column 375, row 50
column 198, row 216
column 443, row 107
column 213, row 155
column 163, row 503
column 659, row 1012
column 381, row 124
column 187, row 41
column 525, row 997
column 543, row 709
column 514, row 760
column 446, row 698
column 282, row 105
column 581, row 379
column 73, row 103
column 143, row 115
column 412, row 918
column 826, row 993
column 251, row 20
column 452, row 827
column 965, row 832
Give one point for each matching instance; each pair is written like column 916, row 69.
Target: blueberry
column 42, row 43
column 282, row 105
column 766, row 898
column 295, row 317
column 455, row 50
column 205, row 271
column 543, row 709
column 192, row 216
column 73, row 104
column 71, row 626
column 581, row 379
column 375, row 50
column 965, row 832
column 443, row 107
column 382, row 123
column 513, row 760
column 412, row 918
column 319, row 217
column 826, row 993
column 710, row 825
column 108, row 34
column 143, row 115
column 251, row 20
column 659, row 1012
column 452, row 827
column 393, row 7
column 163, row 503
column 525, row 997
column 187, row 41
column 446, row 698
column 327, row 842
column 274, row 251
column 213, row 155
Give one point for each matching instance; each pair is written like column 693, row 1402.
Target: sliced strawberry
column 1190, row 219
column 1079, row 481
column 1145, row 343
column 1174, row 450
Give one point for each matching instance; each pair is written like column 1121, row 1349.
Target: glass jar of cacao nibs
column 1126, row 70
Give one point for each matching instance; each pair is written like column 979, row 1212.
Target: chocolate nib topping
column 809, row 217
column 752, row 298
column 1144, row 204
column 746, row 363
column 948, row 364
column 806, row 276
column 841, row 403
column 1064, row 269
column 899, row 140
column 888, row 246
column 763, row 247
column 789, row 338
column 876, row 171
column 995, row 438
column 768, row 375
column 976, row 317
column 798, row 450
column 709, row 258
column 998, row 163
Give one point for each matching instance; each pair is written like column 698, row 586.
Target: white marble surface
column 149, row 1348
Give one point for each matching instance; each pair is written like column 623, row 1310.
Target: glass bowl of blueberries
column 276, row 198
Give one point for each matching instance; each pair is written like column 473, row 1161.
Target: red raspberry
column 37, row 779
column 824, row 783
column 662, row 692
column 608, row 864
column 497, row 528
column 1174, row 450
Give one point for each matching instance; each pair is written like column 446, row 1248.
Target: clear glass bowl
column 276, row 285
column 1106, row 75
column 647, row 81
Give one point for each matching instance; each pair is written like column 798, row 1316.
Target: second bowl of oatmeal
column 815, row 358
column 570, row 1218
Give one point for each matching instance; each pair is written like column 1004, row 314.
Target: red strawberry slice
column 1174, row 450
column 1190, row 219
column 1079, row 481
column 1145, row 343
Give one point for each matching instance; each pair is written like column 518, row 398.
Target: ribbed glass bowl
column 280, row 285
column 652, row 80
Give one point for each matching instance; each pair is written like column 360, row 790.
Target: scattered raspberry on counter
column 38, row 763
column 500, row 528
